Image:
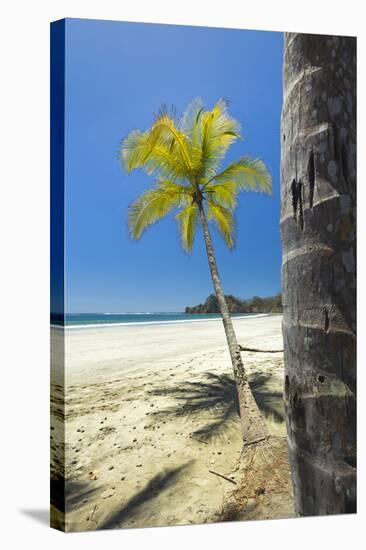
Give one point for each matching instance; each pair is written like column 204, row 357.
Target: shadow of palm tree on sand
column 155, row 486
column 217, row 395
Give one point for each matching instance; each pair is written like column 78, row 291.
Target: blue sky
column 117, row 75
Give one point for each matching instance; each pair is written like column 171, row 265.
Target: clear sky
column 117, row 75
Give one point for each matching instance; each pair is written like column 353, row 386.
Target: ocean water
column 80, row 320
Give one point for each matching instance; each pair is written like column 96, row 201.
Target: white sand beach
column 150, row 410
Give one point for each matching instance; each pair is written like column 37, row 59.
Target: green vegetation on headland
column 271, row 304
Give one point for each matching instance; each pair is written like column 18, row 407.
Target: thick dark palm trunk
column 252, row 423
column 318, row 192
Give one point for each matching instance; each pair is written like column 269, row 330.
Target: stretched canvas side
column 57, row 389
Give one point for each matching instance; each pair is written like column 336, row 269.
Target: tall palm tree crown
column 184, row 154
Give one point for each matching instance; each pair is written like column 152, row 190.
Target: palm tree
column 318, row 196
column 184, row 154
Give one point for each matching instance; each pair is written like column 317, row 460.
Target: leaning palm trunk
column 318, row 192
column 185, row 156
column 252, row 423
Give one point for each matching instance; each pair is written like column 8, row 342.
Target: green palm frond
column 165, row 131
column 188, row 220
column 247, row 174
column 190, row 121
column 224, row 221
column 222, row 193
column 139, row 150
column 166, row 162
column 134, row 150
column 218, row 131
column 153, row 205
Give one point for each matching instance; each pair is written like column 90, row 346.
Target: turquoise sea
column 100, row 319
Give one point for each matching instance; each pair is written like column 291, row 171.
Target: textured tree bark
column 318, row 194
column 252, row 423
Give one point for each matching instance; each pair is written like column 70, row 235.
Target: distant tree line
column 257, row 304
